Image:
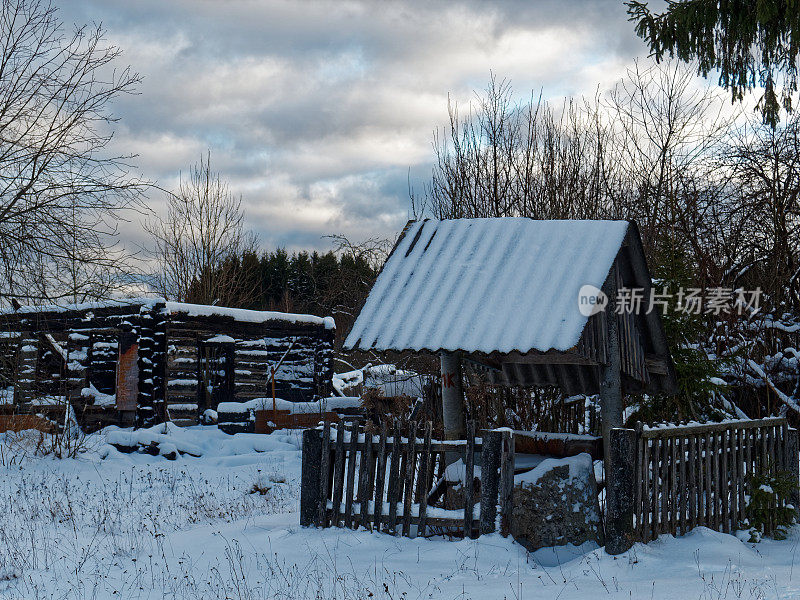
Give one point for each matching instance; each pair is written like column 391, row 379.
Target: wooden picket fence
column 398, row 483
column 699, row 474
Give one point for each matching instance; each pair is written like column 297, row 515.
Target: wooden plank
column 724, row 481
column 710, row 427
column 469, row 480
column 664, row 487
column 410, row 462
column 770, row 468
column 717, row 481
column 682, row 487
column 748, row 453
column 351, row 475
column 423, row 481
column 694, row 488
column 639, row 483
column 324, row 473
column 707, row 453
column 673, row 487
column 394, row 483
column 742, row 440
column 735, row 484
column 338, row 485
column 647, row 519
column 380, row 477
column 367, row 472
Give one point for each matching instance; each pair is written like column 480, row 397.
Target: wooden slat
column 379, row 479
column 351, row 475
column 673, row 487
column 680, row 430
column 423, row 481
column 694, row 478
column 365, row 473
column 647, row 470
column 469, row 477
column 735, row 484
column 394, row 483
column 338, row 485
column 724, row 481
column 682, row 487
column 707, row 466
column 742, row 435
column 408, row 496
column 719, row 500
column 324, row 468
column 664, row 487
column 640, row 482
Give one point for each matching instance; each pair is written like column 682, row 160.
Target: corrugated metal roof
column 486, row 285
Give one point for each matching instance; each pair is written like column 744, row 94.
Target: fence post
column 793, row 467
column 619, row 490
column 490, row 479
column 506, row 481
column 310, row 477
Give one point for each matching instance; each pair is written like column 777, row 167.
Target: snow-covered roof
column 244, row 315
column 192, row 310
column 486, row 285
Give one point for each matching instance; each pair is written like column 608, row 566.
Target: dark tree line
column 330, row 283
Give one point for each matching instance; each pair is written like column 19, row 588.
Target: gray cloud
column 316, row 111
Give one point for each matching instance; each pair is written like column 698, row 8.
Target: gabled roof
column 486, row 285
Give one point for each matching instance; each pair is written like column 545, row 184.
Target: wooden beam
column 656, row 364
column 543, row 358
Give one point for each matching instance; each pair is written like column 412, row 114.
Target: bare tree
column 199, row 243
column 61, row 193
column 518, row 159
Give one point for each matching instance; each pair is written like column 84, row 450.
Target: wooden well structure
column 503, row 297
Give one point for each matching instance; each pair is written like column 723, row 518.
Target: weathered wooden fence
column 406, row 484
column 699, row 474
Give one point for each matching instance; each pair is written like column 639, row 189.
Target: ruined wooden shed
column 503, row 296
column 143, row 361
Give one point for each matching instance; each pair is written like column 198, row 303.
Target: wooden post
column 619, row 491
column 325, row 469
column 469, row 480
column 611, row 377
column 423, row 486
column 506, row 481
column 793, row 467
column 310, row 477
column 452, row 397
column 490, row 479
column 274, row 410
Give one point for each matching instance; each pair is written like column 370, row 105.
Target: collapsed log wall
column 175, row 364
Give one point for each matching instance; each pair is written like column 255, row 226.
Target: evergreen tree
column 749, row 42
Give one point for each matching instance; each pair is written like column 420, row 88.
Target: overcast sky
column 316, row 112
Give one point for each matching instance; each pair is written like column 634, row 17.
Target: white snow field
column 225, row 525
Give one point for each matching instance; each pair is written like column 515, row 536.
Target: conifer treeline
column 302, row 282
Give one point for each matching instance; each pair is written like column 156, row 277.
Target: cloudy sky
column 317, row 112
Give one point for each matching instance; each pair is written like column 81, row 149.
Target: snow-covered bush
column 768, row 510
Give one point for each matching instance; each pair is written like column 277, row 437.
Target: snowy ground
column 112, row 525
